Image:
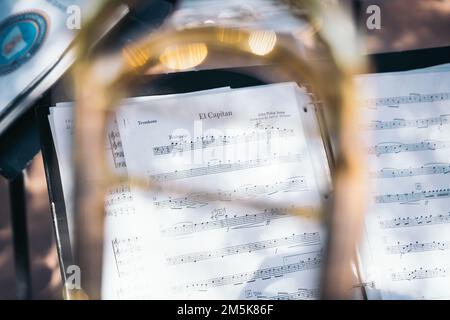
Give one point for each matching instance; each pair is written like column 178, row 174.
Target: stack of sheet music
column 229, row 165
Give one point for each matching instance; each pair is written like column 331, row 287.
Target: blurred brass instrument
column 328, row 63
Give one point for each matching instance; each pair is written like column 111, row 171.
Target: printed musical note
column 118, row 195
column 204, row 230
column 115, row 146
column 232, row 222
column 223, row 167
column 415, row 221
column 313, row 261
column 418, row 247
column 405, row 130
column 402, row 123
column 414, row 196
column 300, row 294
column 220, row 141
column 127, row 255
column 427, row 169
column 399, row 100
column 305, row 239
column 419, row 274
column 395, row 147
column 119, row 201
column 202, row 199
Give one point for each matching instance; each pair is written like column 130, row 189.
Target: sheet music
column 408, row 224
column 243, row 161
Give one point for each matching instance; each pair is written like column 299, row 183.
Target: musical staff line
column 417, row 246
column 117, row 195
column 202, row 199
column 419, row 274
column 120, row 211
column 231, row 222
column 311, row 262
column 116, row 148
column 396, row 147
column 305, row 239
column 127, row 255
column 427, row 169
column 414, row 196
column 399, row 100
column 225, row 167
column 119, row 201
column 300, row 294
column 443, row 119
column 415, row 221
column 221, row 141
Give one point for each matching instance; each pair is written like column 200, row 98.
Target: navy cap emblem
column 21, row 36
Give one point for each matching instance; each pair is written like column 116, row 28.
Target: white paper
column 118, row 201
column 205, row 243
column 408, row 224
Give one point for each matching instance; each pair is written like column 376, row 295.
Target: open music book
column 239, row 175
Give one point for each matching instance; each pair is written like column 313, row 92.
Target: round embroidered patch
column 21, row 36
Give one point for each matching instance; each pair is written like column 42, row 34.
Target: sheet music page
column 118, row 201
column 408, row 224
column 61, row 121
column 241, row 159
